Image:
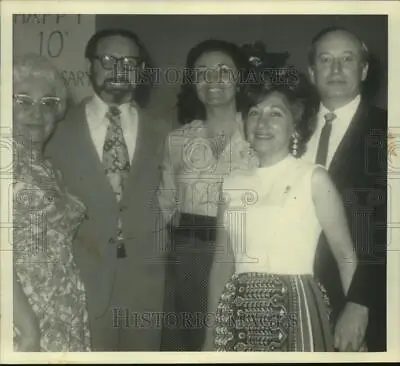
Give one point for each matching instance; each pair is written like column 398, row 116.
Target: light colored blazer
column 191, row 175
column 71, row 149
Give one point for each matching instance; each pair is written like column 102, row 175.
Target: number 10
column 52, row 43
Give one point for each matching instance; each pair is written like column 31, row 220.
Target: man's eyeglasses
column 109, row 62
column 26, row 102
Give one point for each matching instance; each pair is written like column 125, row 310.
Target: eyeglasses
column 26, row 102
column 108, row 62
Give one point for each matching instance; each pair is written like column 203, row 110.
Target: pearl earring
column 295, row 144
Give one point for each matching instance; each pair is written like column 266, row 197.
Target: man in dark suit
column 109, row 152
column 350, row 140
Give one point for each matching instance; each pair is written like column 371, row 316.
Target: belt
column 202, row 227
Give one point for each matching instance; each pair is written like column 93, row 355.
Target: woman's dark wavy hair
column 189, row 106
column 297, row 90
column 143, row 89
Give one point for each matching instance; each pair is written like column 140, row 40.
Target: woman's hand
column 28, row 334
column 25, row 321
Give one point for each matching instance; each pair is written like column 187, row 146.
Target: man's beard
column 117, row 89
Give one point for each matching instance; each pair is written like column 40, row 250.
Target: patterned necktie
column 116, row 164
column 115, row 153
column 323, row 145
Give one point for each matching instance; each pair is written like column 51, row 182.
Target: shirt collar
column 100, row 108
column 344, row 113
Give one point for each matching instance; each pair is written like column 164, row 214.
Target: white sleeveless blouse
column 271, row 218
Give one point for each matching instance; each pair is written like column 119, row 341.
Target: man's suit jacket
column 359, row 171
column 72, row 151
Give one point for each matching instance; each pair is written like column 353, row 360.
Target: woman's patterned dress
column 46, row 218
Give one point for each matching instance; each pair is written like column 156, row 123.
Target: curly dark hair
column 297, row 90
column 189, row 106
column 142, row 91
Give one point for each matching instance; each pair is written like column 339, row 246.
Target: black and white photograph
column 197, row 183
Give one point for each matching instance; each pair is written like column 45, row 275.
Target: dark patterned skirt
column 188, row 270
column 265, row 312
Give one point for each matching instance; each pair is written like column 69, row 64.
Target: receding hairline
column 341, row 31
column 328, row 32
column 362, row 48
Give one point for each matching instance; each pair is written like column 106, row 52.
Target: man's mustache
column 122, row 79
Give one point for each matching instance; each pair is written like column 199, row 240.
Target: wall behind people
column 62, row 38
column 170, row 37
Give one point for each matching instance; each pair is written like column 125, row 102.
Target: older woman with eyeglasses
column 49, row 297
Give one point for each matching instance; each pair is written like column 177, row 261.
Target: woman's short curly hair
column 189, row 106
column 38, row 66
column 297, row 90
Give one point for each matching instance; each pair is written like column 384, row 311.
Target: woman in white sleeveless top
column 262, row 287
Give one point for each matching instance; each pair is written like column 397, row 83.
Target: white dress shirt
column 98, row 122
column 340, row 124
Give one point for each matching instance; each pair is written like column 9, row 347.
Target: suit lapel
column 143, row 152
column 140, row 140
column 350, row 141
column 87, row 156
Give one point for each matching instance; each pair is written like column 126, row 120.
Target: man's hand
column 351, row 328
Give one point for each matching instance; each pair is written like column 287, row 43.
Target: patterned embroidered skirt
column 264, row 312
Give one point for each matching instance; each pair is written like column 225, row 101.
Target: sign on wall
column 62, row 38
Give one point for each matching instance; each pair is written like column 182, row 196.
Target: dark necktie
column 116, row 164
column 323, row 144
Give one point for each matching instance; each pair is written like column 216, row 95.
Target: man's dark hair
column 142, row 91
column 312, row 51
